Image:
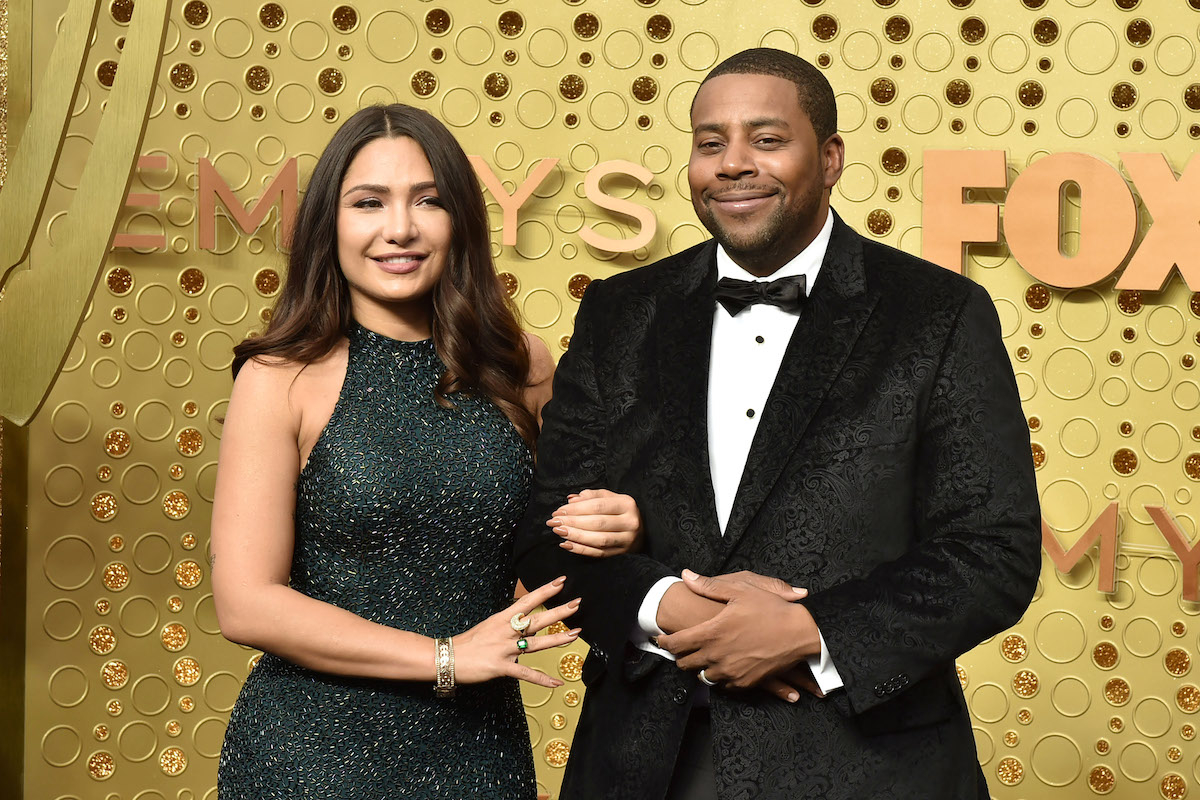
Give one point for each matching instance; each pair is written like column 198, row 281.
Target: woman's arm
column 253, row 538
column 593, row 522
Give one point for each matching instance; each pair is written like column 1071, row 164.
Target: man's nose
column 737, row 160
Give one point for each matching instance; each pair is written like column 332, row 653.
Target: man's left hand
column 758, row 635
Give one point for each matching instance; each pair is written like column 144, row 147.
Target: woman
column 375, row 460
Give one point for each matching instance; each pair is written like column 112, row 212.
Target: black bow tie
column 787, row 293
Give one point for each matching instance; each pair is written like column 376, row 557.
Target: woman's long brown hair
column 475, row 328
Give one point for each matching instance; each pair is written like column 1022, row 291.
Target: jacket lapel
column 830, row 323
column 684, row 343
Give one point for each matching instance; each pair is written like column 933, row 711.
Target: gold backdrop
column 124, row 680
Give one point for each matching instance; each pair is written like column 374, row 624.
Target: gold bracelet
column 443, row 660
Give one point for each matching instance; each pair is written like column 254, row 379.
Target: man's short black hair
column 812, row 89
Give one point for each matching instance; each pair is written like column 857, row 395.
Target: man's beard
column 754, row 245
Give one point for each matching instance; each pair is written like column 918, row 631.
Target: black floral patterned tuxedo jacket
column 890, row 474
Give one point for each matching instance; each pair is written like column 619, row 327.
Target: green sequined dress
column 405, row 513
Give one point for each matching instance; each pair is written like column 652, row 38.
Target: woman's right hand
column 489, row 650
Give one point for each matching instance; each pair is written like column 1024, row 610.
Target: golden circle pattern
column 1014, row 648
column 272, row 16
column 1188, row 699
column 1178, row 628
column 176, row 504
column 1187, row 731
column 424, row 83
column 883, row 90
column 104, row 506
column 258, row 78
column 102, row 639
column 100, row 732
column 893, row 160
column 1101, row 780
column 645, row 88
column 1174, row 754
column 116, row 576
column 1039, row 455
column 571, row 698
column 1124, row 95
column 1010, row 771
column 331, row 80
column 116, row 543
column 1011, row 738
column 496, row 85
column 115, row 674
column 1173, row 787
column 557, row 752
column 1045, row 31
column 572, row 87
column 186, row 671
column 958, row 92
column 570, row 666
column 117, row 442
column 897, row 29
column 586, row 25
column 114, row 708
column 106, row 73
column 188, row 574
column 119, row 280
column 509, row 282
column 511, row 23
column 1191, row 466
column 1031, row 94
column 173, row 761
column 101, row 765
column 1139, row 32
column 962, row 675
column 344, row 18
column 175, row 604
column 577, row 285
column 879, row 222
column 187, row 704
column 659, row 28
column 1125, row 461
column 1116, row 724
column 1129, row 301
column 824, row 27
column 1037, row 297
column 1117, row 691
column 174, row 636
column 1102, row 746
column 1177, row 661
column 102, row 606
column 973, row 30
column 192, row 281
column 1025, row 683
column 189, row 441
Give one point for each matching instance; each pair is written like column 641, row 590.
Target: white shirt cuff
column 823, row 670
column 648, row 618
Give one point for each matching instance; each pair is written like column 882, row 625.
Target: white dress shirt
column 747, row 350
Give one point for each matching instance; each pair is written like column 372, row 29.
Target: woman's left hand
column 599, row 523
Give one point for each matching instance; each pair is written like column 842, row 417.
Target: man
column 853, row 429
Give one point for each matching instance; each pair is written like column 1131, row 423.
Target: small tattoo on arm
column 212, row 561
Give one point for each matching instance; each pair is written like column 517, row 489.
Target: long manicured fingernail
column 575, row 631
column 575, row 603
column 688, row 575
column 560, row 580
column 561, row 530
column 554, row 522
column 566, row 546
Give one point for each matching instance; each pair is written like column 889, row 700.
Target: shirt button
column 759, row 339
column 680, row 697
column 750, row 413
